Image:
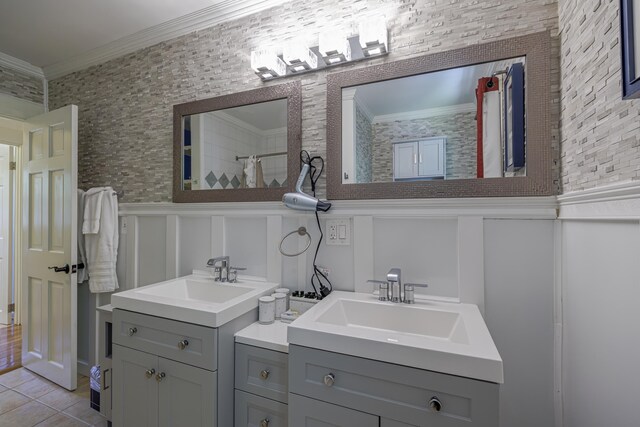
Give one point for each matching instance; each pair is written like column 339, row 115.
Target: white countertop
column 271, row 337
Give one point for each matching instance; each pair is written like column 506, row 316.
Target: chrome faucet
column 220, row 265
column 394, row 277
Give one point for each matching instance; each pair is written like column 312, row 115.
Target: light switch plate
column 338, row 232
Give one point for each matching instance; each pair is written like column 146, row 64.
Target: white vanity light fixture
column 373, row 36
column 266, row 63
column 334, row 47
column 299, row 57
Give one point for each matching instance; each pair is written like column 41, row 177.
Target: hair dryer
column 302, row 201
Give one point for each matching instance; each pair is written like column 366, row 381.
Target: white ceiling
column 264, row 116
column 46, row 32
column 425, row 91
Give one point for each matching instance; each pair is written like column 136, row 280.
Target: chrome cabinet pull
column 435, row 405
column 149, row 373
column 264, row 374
column 160, row 376
column 132, row 331
column 183, row 344
column 329, row 380
column 264, row 423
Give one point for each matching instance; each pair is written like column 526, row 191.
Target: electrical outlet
column 324, row 270
column 338, row 232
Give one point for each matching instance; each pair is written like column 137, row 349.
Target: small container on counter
column 285, row 291
column 281, row 303
column 266, row 310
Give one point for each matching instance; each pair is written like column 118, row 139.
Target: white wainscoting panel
column 519, row 295
column 601, row 290
column 194, row 247
column 246, row 244
column 426, row 249
column 152, row 249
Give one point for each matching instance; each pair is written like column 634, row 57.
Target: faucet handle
column 233, row 273
column 409, row 294
column 383, row 289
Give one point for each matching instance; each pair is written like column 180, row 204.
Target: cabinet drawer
column 256, row 411
column 262, row 372
column 396, row 392
column 162, row 337
column 305, row 412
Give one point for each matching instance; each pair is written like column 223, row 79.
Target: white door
column 431, row 158
column 5, row 233
column 49, row 218
column 405, row 160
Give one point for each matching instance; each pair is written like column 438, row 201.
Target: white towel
column 102, row 247
column 92, row 210
column 82, row 254
column 250, row 171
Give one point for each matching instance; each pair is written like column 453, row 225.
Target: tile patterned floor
column 28, row 400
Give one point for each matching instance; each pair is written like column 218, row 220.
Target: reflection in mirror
column 460, row 123
column 240, row 147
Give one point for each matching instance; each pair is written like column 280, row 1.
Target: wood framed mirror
column 238, row 148
column 471, row 122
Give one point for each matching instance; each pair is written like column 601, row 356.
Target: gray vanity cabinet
column 152, row 391
column 305, row 412
column 261, row 379
column 399, row 395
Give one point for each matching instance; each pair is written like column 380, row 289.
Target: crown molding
column 426, row 113
column 224, row 11
column 24, row 67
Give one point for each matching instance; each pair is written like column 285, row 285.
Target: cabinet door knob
column 264, row 374
column 132, row 331
column 160, row 376
column 435, row 405
column 329, row 379
column 149, row 373
column 183, row 344
column 264, row 423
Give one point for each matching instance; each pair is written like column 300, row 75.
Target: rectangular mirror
column 226, row 149
column 460, row 123
column 466, row 123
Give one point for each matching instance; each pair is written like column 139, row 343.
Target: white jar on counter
column 285, row 291
column 281, row 303
column 266, row 310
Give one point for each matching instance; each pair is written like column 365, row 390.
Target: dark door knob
column 64, row 269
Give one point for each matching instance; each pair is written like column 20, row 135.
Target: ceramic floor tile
column 61, row 420
column 10, row 400
column 60, row 399
column 15, row 378
column 3, row 388
column 83, row 412
column 27, row 415
column 36, row 387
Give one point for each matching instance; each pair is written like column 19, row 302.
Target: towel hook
column 301, row 231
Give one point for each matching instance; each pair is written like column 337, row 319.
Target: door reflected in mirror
column 236, row 148
column 460, row 123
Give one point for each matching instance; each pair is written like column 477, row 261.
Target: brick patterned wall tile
column 600, row 131
column 125, row 105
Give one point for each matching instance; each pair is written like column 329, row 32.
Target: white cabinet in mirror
column 460, row 123
column 234, row 148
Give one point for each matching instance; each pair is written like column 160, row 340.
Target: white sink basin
column 442, row 337
column 197, row 290
column 195, row 299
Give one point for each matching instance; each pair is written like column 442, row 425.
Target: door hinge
column 12, row 166
column 11, row 308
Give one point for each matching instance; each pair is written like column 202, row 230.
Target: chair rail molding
column 486, row 207
column 613, row 202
